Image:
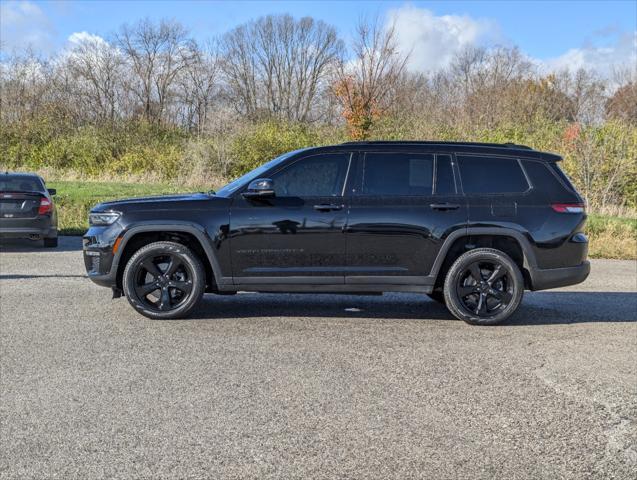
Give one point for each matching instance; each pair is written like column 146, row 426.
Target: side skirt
column 306, row 286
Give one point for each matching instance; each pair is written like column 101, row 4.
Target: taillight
column 569, row 207
column 45, row 206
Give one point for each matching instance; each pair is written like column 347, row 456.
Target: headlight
column 103, row 218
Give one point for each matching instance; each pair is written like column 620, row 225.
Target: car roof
column 509, row 149
column 21, row 174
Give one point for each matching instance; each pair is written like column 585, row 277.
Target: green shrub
column 260, row 143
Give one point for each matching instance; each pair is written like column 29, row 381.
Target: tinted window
column 397, row 174
column 546, row 181
column 563, row 176
column 315, row 176
column 253, row 174
column 444, row 176
column 20, row 183
column 491, row 175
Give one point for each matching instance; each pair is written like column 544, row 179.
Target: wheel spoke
column 504, row 297
column 495, row 293
column 464, row 291
column 475, row 272
column 151, row 268
column 185, row 287
column 164, row 301
column 481, row 309
column 498, row 272
column 172, row 267
column 143, row 290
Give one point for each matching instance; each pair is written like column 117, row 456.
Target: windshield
column 253, row 174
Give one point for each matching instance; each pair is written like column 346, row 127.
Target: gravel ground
column 300, row 386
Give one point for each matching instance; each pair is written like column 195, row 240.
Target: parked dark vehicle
column 27, row 209
column 472, row 225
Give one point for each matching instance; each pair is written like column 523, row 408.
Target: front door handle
column 444, row 206
column 327, row 207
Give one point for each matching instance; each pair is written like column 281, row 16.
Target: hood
column 158, row 202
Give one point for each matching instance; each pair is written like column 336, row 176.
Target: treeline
column 152, row 101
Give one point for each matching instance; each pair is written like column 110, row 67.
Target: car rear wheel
column 483, row 287
column 51, row 242
column 164, row 280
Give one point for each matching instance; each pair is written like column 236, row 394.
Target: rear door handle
column 444, row 206
column 326, row 207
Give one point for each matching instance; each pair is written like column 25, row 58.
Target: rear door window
column 397, row 174
column 491, row 175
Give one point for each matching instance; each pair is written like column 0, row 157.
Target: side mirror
column 52, row 191
column 260, row 188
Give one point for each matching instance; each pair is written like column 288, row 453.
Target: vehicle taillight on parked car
column 569, row 207
column 45, row 206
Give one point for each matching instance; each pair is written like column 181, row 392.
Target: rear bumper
column 542, row 279
column 28, row 232
column 42, row 225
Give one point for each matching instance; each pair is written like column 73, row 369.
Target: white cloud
column 431, row 41
column 622, row 53
column 78, row 38
column 24, row 24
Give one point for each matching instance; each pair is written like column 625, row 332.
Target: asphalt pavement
column 303, row 386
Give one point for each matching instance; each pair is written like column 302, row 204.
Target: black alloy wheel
column 164, row 280
column 483, row 287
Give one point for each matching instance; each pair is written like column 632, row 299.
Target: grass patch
column 610, row 236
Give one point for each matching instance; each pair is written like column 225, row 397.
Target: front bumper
column 543, row 279
column 99, row 260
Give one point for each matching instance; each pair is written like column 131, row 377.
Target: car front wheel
column 483, row 287
column 164, row 280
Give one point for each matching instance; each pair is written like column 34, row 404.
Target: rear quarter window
column 545, row 179
column 491, row 175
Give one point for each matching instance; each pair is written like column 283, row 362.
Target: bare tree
column 485, row 77
column 367, row 84
column 199, row 84
column 24, row 85
column 97, row 70
column 276, row 66
column 157, row 53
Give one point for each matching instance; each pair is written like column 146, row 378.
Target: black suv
column 472, row 225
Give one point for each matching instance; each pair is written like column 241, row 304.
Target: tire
column 51, row 242
column 489, row 299
column 437, row 296
column 177, row 275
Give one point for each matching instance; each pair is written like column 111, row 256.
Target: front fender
column 198, row 231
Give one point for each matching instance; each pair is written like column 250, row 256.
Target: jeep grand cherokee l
column 471, row 225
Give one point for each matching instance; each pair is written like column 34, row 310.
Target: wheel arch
column 191, row 235
column 512, row 242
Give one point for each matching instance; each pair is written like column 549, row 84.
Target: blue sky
column 564, row 33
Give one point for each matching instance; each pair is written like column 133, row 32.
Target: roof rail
column 429, row 142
